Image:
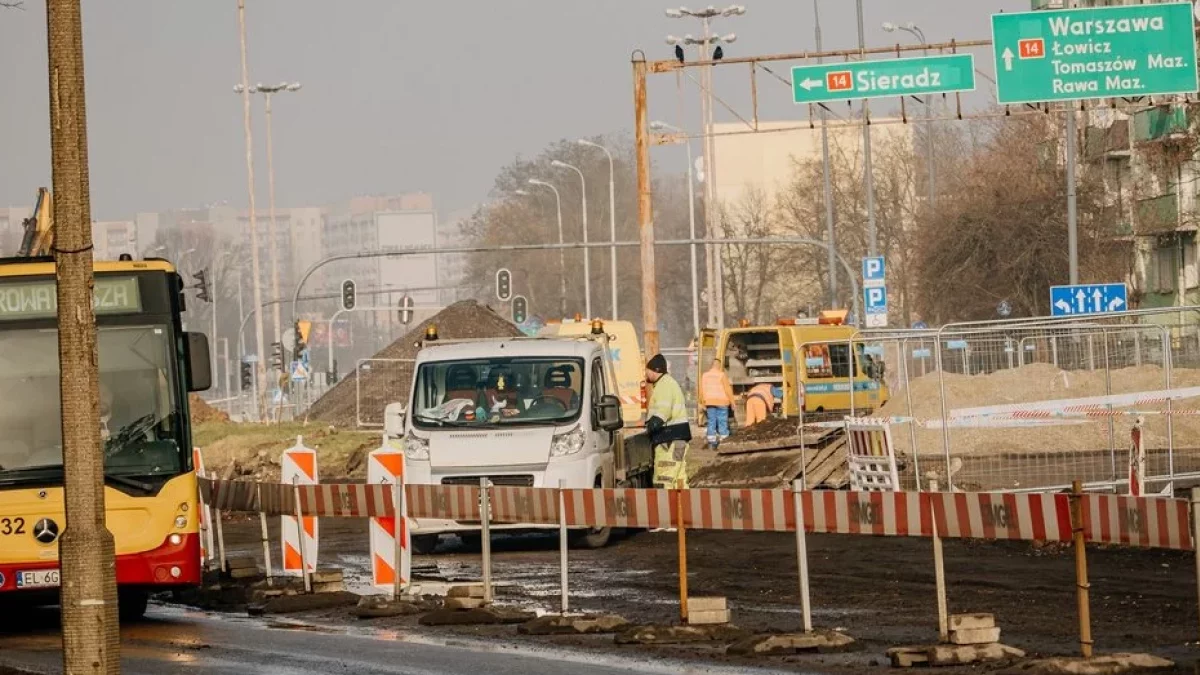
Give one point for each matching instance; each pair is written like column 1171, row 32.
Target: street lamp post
column 931, row 169
column 715, row 262
column 612, row 219
column 268, row 91
column 244, row 90
column 587, row 254
column 663, row 126
column 562, row 261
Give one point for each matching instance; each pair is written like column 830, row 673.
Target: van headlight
column 568, row 443
column 415, row 447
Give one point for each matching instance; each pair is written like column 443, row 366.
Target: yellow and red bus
column 147, row 366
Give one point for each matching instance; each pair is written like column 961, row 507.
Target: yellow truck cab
column 627, row 359
column 819, row 348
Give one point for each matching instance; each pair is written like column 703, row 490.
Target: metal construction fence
column 378, row 382
column 1032, row 404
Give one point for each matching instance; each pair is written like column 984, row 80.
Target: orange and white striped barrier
column 994, row 515
column 535, row 506
column 444, row 502
column 1137, row 460
column 298, row 466
column 205, row 513
column 608, row 507
column 893, row 514
column 1148, row 522
column 385, row 468
column 752, row 510
column 343, row 500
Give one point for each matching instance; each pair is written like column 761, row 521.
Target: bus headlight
column 567, row 444
column 180, row 521
column 416, row 448
column 175, row 539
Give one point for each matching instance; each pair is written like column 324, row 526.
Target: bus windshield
column 498, row 391
column 139, row 424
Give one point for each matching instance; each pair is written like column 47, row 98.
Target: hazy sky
column 399, row 95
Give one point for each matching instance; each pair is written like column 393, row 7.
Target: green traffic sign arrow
column 1072, row 54
column 887, row 77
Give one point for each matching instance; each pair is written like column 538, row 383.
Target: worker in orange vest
column 760, row 401
column 716, row 395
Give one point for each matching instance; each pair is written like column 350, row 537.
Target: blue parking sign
column 873, row 270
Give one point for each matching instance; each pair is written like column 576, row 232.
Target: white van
column 520, row 412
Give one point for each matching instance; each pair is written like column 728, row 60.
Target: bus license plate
column 37, row 579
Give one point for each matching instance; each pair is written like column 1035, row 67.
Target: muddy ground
column 879, row 590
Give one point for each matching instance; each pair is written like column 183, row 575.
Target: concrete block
column 971, row 621
column 326, row 576
column 975, row 636
column 790, row 643
column 329, row 587
column 286, row 604
column 464, row 603
column 553, row 624
column 379, row 606
column 907, row 657
column 706, row 604
column 667, row 635
column 465, row 591
column 244, row 573
column 947, row 655
column 708, row 617
column 1109, row 664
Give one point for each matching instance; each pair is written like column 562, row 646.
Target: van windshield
column 497, row 391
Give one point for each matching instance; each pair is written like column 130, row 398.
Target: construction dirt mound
column 389, row 383
column 202, row 412
column 1041, row 382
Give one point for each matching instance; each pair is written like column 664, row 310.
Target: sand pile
column 1040, row 382
column 202, row 412
column 389, row 383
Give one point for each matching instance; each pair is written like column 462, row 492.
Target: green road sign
column 887, row 77
column 1069, row 54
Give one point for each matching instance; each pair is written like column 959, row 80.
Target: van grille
column 519, row 480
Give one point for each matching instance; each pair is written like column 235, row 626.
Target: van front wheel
column 593, row 538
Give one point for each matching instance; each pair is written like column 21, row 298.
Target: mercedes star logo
column 45, row 531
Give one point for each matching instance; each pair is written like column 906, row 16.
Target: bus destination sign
column 39, row 299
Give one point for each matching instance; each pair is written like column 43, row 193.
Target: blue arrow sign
column 1083, row 299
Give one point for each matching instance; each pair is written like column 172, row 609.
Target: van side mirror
column 608, row 413
column 393, row 420
column 199, row 375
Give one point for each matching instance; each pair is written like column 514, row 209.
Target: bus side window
column 816, row 361
column 839, row 357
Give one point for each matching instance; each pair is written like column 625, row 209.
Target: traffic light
column 201, row 287
column 247, row 376
column 277, row 355
column 406, row 313
column 503, row 285
column 520, row 309
column 348, row 294
column 300, row 338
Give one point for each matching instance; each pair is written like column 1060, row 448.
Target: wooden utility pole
column 641, row 141
column 87, row 560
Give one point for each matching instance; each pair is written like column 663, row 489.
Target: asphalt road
column 173, row 640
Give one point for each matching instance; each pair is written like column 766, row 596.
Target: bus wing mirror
column 199, row 362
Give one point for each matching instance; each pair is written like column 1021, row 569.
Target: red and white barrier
column 444, row 502
column 535, row 506
column 385, row 467
column 896, row 514
column 1152, row 522
column 298, row 466
column 345, row 500
column 204, row 515
column 605, row 507
column 751, row 510
column 988, row 515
